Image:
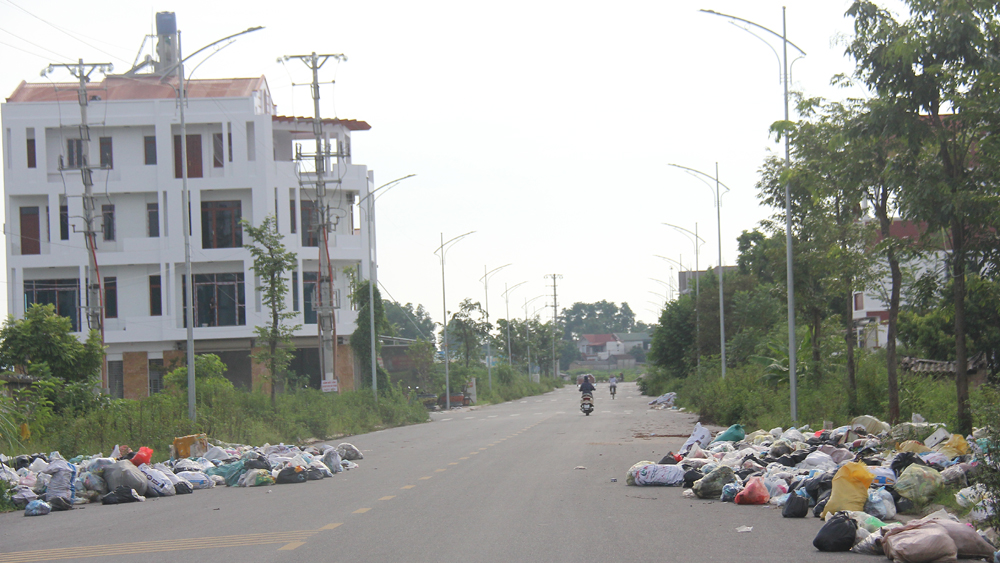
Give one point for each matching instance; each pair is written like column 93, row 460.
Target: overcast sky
column 546, row 127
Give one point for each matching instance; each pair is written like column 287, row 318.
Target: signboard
column 330, row 385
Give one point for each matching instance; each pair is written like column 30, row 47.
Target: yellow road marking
column 291, row 546
column 156, row 546
column 481, row 449
column 389, row 497
column 453, row 463
column 361, row 510
column 331, row 526
column 425, row 478
column 466, row 457
column 439, row 470
column 408, row 487
column 473, row 453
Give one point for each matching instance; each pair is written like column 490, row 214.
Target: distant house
column 633, row 339
column 600, row 346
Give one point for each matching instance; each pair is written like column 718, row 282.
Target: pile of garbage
column 857, row 478
column 42, row 483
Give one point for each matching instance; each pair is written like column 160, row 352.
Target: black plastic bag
column 691, row 476
column 183, row 488
column 121, row 495
column 289, row 475
column 818, row 485
column 821, row 504
column 902, row 460
column 59, row 503
column 314, row 474
column 796, row 507
column 837, row 534
column 259, row 462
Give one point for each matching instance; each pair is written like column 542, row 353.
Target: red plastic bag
column 754, row 493
column 144, row 455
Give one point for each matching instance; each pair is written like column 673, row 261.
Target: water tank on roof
column 166, row 23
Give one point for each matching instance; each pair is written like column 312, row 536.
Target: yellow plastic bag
column 913, row 446
column 953, row 447
column 850, row 488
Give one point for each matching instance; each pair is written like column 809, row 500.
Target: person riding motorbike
column 587, row 387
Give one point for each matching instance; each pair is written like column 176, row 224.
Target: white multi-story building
column 241, row 165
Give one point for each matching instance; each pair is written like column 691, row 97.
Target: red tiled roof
column 138, row 88
column 598, row 339
column 352, row 124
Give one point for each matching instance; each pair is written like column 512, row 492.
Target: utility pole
column 327, row 324
column 95, row 297
column 555, row 322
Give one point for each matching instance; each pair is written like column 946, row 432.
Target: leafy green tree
column 672, row 348
column 602, row 317
column 937, row 69
column 361, row 337
column 467, row 331
column 44, row 336
column 409, row 322
column 271, row 262
column 209, row 377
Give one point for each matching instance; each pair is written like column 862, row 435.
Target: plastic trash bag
column 954, row 475
column 850, row 488
column 256, row 478
column 349, row 452
column 838, row 534
column 122, row 495
column 818, row 460
column 884, row 476
column 124, row 474
column 871, row 545
column 954, row 446
column 41, row 484
column 290, row 475
column 775, row 486
column 22, row 496
column 93, row 482
column 198, row 479
column 919, row 484
column 215, row 452
column 797, row 506
column 187, row 465
column 654, row 474
column 793, row 435
column 231, row 472
column 61, row 483
column 700, row 436
column 630, row 474
column 157, row 482
column 969, row 496
column 37, row 508
column 866, row 521
column 331, row 459
column 144, row 455
column 734, row 433
column 755, row 492
column 710, row 486
column 38, row 465
column 729, row 492
column 880, row 504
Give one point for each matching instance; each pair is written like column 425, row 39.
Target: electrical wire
column 57, row 28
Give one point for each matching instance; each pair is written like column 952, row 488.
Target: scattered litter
column 579, row 467
column 614, row 480
column 744, row 529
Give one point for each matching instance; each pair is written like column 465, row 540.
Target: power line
column 68, row 34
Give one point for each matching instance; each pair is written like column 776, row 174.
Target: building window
column 295, row 290
column 156, row 371
column 149, row 143
column 292, row 220
column 220, row 224
column 217, row 157
column 219, row 300
column 32, row 163
column 230, row 142
column 309, row 235
column 153, row 219
column 311, row 301
column 30, row 229
column 106, row 152
column 63, row 294
column 155, row 297
column 63, row 222
column 108, row 210
column 74, row 153
column 859, row 301
column 111, row 298
column 193, row 156
column 116, row 378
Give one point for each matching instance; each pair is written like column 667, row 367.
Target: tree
column 467, row 329
column 937, row 69
column 42, row 336
column 361, row 341
column 602, row 317
column 409, row 322
column 271, row 261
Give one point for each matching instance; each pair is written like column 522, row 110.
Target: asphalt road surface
column 530, row 480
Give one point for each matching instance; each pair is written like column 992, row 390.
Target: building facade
column 241, row 164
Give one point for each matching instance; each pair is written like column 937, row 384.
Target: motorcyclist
column 587, row 386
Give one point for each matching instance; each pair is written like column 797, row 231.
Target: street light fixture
column 443, row 249
column 370, row 212
column 790, row 279
column 718, row 222
column 186, row 206
column 527, row 328
column 506, row 298
column 489, row 350
column 697, row 284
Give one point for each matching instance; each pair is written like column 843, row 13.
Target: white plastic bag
column 701, row 436
column 349, row 452
column 157, row 481
column 197, row 479
column 332, row 460
column 653, row 474
column 880, row 504
column 818, row 460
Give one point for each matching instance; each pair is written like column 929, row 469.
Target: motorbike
column 587, row 403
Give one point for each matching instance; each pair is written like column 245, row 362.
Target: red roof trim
column 352, row 124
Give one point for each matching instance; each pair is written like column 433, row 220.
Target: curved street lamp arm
column 388, row 186
column 670, row 260
column 512, row 288
column 443, row 249
column 486, row 277
column 757, row 25
column 700, row 173
column 173, row 67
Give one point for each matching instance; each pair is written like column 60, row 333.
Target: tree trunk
column 890, row 344
column 961, row 359
column 849, row 340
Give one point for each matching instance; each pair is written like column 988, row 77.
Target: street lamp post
column 506, row 298
column 527, row 328
column 718, row 222
column 370, row 212
column 489, row 350
column 790, row 278
column 443, row 249
column 186, row 208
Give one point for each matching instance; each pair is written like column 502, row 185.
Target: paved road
column 480, row 484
